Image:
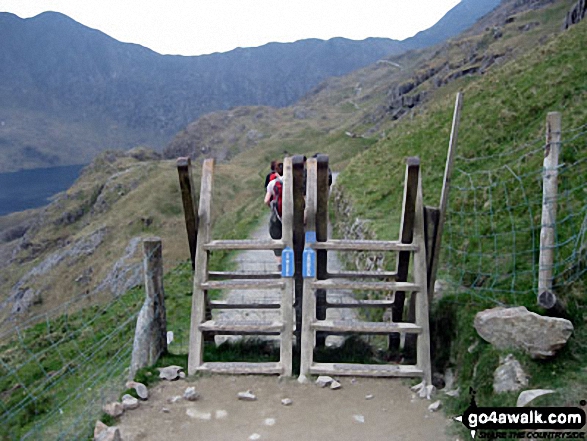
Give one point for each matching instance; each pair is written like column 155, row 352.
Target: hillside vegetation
column 513, row 67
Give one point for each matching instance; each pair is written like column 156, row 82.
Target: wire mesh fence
column 492, row 232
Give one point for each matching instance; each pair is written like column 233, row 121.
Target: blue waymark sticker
column 309, row 263
column 287, row 262
column 310, row 237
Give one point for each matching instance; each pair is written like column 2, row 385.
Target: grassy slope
column 505, row 109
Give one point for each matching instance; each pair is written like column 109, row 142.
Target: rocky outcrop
column 519, row 328
column 576, row 14
column 26, row 292
column 125, row 274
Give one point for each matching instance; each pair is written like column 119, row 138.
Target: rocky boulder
column 519, row 328
column 509, row 376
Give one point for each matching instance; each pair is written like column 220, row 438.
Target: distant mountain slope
column 68, row 91
column 458, row 19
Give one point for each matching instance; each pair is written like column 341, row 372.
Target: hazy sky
column 205, row 26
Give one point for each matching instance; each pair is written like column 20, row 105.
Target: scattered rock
column 170, row 373
column 369, row 397
column 269, row 421
column 359, row 418
column 529, row 395
column 509, row 376
column 324, row 380
column 165, row 410
column 110, row 434
column 190, row 394
column 519, row 328
column 423, row 390
column 335, row 385
column 255, row 436
column 472, row 348
column 247, row 396
column 99, row 428
column 169, row 337
column 196, row 414
column 287, row 401
column 139, row 388
column 114, row 409
column 174, row 399
column 129, row 402
column 453, row 393
column 435, row 406
column 182, row 375
column 221, row 414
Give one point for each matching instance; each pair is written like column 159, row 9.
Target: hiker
column 273, row 199
column 271, row 175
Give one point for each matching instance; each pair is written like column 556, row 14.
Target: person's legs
column 275, row 233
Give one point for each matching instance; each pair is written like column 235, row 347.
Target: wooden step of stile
column 364, row 245
column 224, row 304
column 366, row 370
column 385, row 303
column 244, row 327
column 253, row 275
column 241, row 368
column 361, row 275
column 249, row 244
column 242, row 284
column 356, row 326
column 364, row 286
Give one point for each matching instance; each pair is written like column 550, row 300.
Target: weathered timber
column 198, row 313
column 386, row 303
column 298, row 238
column 546, row 297
column 241, row 327
column 406, row 237
column 364, row 245
column 362, row 275
column 241, row 368
column 220, row 275
column 366, row 286
column 288, row 293
column 189, row 207
column 242, row 284
column 321, row 236
column 365, row 370
column 352, row 326
column 249, row 244
column 223, row 304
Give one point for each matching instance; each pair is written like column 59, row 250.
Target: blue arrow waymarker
column 310, row 237
column 287, row 262
column 309, row 263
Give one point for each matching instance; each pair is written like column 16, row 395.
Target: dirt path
column 316, row 414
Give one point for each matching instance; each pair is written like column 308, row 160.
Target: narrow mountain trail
column 361, row 409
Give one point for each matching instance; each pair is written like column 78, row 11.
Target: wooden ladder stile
column 205, row 280
column 311, row 325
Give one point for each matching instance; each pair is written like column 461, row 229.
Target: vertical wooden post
column 298, row 238
column 189, row 207
column 420, row 278
column 450, row 160
column 198, row 314
column 151, row 332
column 309, row 302
column 546, row 298
column 321, row 236
column 406, row 236
column 287, row 298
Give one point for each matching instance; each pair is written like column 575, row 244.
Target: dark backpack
column 277, row 199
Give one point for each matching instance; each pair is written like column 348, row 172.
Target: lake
column 26, row 189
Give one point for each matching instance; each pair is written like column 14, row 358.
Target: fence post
column 151, row 332
column 189, row 207
column 321, row 236
column 546, row 298
column 298, row 239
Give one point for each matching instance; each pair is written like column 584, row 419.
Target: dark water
column 32, row 188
